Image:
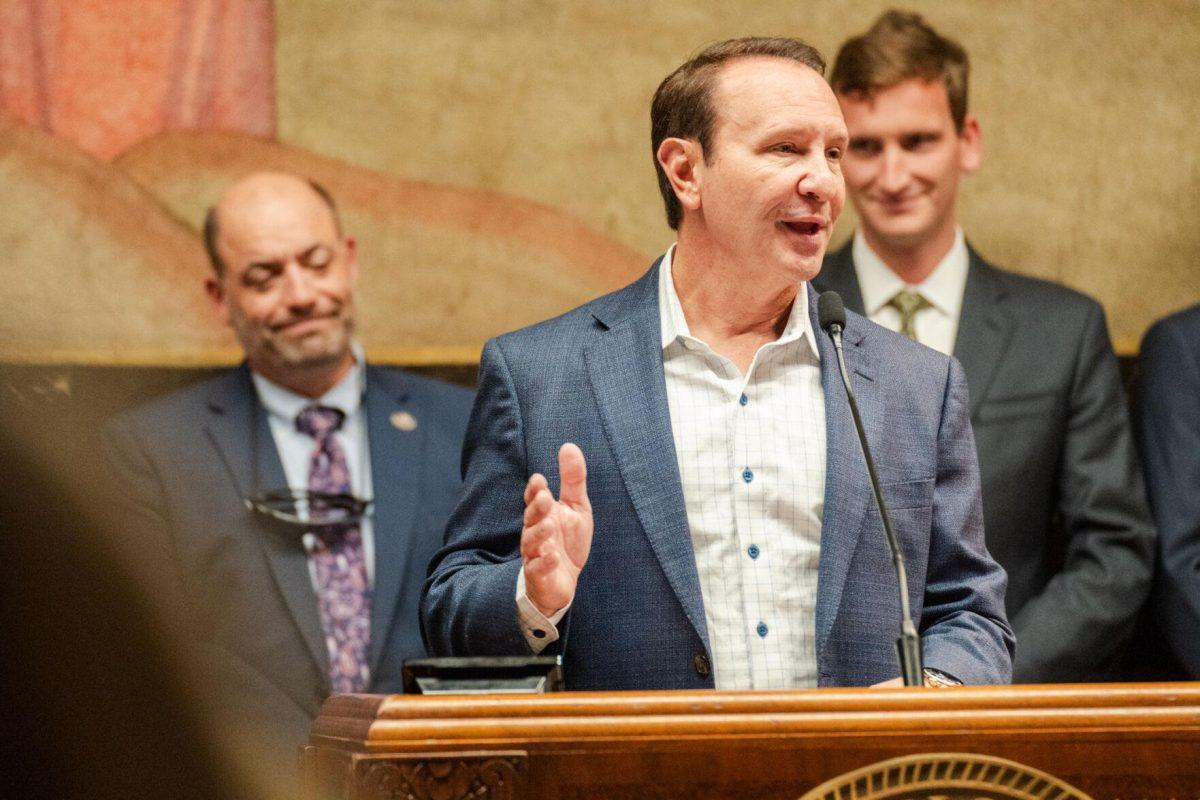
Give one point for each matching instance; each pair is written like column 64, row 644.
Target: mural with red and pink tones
column 492, row 157
column 131, row 116
column 106, row 74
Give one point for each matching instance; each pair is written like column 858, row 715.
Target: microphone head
column 830, row 311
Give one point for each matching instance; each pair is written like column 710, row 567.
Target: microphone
column 831, row 315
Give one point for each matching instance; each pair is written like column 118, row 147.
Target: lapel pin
column 404, row 421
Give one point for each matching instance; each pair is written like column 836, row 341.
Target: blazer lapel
column 240, row 433
column 847, row 498
column 625, row 370
column 984, row 328
column 396, row 458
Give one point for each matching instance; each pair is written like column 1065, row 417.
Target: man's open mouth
column 804, row 228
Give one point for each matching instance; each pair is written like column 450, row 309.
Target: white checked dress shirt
column 935, row 326
column 751, row 453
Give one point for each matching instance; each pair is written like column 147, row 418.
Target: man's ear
column 970, row 140
column 679, row 159
column 216, row 295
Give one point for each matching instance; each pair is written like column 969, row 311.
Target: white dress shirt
column 935, row 326
column 295, row 448
column 751, row 455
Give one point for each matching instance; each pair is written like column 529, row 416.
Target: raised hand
column 557, row 535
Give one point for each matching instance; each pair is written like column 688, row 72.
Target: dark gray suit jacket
column 595, row 377
column 185, row 463
column 1063, row 500
column 1168, row 417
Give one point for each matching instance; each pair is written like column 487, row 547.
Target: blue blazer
column 184, row 463
column 594, row 376
column 1168, row 425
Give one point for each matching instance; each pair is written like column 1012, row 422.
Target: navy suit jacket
column 1063, row 502
column 595, row 377
column 1168, row 423
column 241, row 583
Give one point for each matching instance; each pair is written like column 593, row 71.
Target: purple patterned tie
column 343, row 593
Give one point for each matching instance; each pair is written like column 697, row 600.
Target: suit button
column 700, row 662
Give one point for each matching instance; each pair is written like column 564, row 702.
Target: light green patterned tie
column 908, row 304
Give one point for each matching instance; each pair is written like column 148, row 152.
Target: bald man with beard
column 294, row 501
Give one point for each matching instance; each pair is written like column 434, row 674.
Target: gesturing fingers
column 536, row 482
column 541, row 566
column 536, row 538
column 573, row 470
column 538, row 507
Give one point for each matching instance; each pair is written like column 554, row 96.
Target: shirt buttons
column 747, row 475
column 753, row 551
column 743, row 400
column 762, row 629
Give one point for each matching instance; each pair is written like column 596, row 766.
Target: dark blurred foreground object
column 1167, row 412
column 96, row 696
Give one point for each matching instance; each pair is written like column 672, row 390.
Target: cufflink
column 538, row 633
column 403, row 421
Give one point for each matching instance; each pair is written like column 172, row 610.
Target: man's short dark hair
column 212, row 228
column 682, row 106
column 898, row 47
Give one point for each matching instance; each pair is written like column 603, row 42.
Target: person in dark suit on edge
column 1063, row 501
column 714, row 524
column 1168, row 424
column 295, row 500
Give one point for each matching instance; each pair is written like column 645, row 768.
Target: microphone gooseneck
column 831, row 314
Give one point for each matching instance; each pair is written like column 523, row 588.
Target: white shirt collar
column 346, row 395
column 674, row 323
column 943, row 288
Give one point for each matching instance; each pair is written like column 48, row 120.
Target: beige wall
column 493, row 158
column 1088, row 107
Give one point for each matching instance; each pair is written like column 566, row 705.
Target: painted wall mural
column 105, row 74
column 492, row 158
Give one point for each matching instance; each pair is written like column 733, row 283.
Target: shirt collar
column 943, row 288
column 674, row 323
column 346, row 395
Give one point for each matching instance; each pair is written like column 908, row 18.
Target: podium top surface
column 370, row 722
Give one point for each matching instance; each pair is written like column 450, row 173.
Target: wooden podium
column 1109, row 742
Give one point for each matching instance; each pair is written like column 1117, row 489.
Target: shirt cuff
column 538, row 629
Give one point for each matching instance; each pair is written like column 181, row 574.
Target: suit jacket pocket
column 1017, row 407
column 908, row 494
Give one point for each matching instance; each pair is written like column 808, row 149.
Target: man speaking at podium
column 665, row 485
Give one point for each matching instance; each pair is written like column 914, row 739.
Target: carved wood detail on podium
column 946, row 776
column 490, row 776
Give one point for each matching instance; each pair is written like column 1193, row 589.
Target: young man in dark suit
column 1062, row 492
